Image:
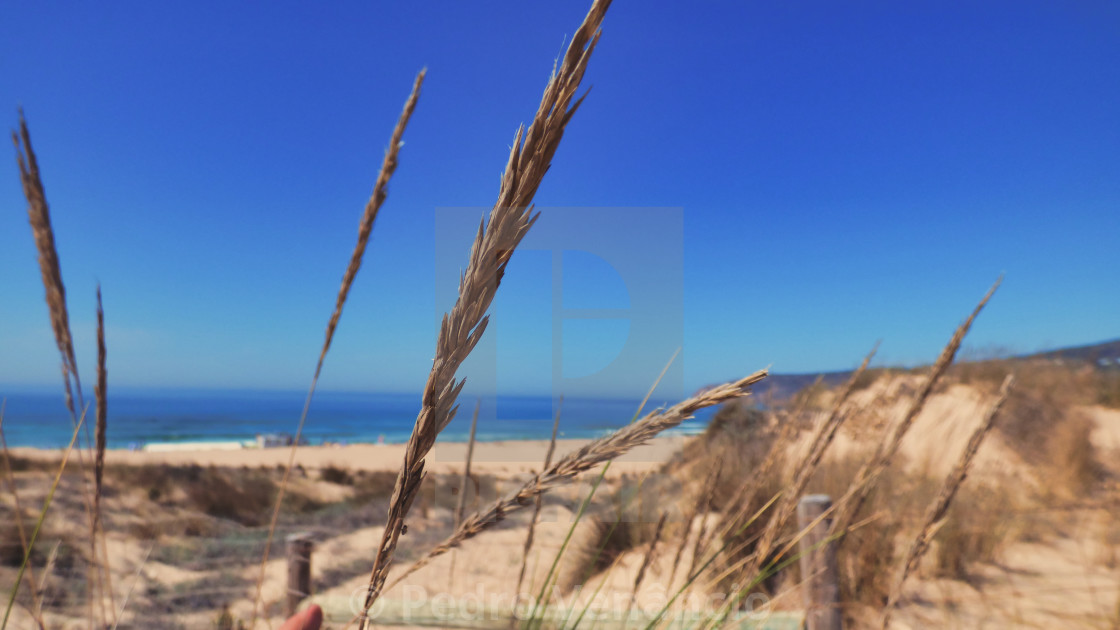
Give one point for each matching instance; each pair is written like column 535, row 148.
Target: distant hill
column 1105, row 354
column 781, row 386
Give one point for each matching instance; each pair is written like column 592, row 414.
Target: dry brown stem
column 848, row 507
column 102, row 406
column 539, row 501
column 702, row 510
column 463, row 485
column 701, row 497
column 935, row 514
column 646, row 562
column 467, row 468
column 100, row 438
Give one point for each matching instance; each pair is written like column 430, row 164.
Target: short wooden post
column 818, row 566
column 299, row 570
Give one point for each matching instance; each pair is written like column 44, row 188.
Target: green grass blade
column 550, row 579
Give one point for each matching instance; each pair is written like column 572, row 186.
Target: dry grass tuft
column 244, row 500
column 791, row 495
column 1073, row 457
column 978, row 526
column 336, row 475
column 1044, row 405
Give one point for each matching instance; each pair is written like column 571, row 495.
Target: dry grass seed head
column 365, row 228
column 852, row 502
column 461, row 328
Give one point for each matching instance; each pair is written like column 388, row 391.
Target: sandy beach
column 502, row 458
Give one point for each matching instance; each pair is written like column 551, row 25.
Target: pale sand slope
column 508, row 457
column 1066, row 582
column 1106, row 435
column 933, row 444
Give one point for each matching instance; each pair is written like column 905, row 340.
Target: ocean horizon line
column 40, row 419
column 169, row 390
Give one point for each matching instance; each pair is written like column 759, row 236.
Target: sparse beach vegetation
column 953, row 485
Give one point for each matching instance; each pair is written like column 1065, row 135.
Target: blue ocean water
column 141, row 417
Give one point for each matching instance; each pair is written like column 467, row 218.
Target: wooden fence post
column 299, row 570
column 818, row 566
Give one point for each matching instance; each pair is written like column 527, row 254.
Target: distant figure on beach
column 381, row 440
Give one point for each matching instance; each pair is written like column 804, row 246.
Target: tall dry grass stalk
column 101, row 401
column 590, row 455
column 48, row 570
column 38, row 214
column 848, row 507
column 935, row 514
column 646, row 562
column 702, row 510
column 702, row 499
column 539, row 503
column 791, row 495
column 132, row 586
column 365, row 228
column 102, row 406
column 463, row 485
column 497, row 238
column 462, row 503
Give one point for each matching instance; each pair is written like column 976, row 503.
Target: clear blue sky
column 844, row 172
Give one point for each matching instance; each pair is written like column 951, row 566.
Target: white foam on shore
column 173, row 447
